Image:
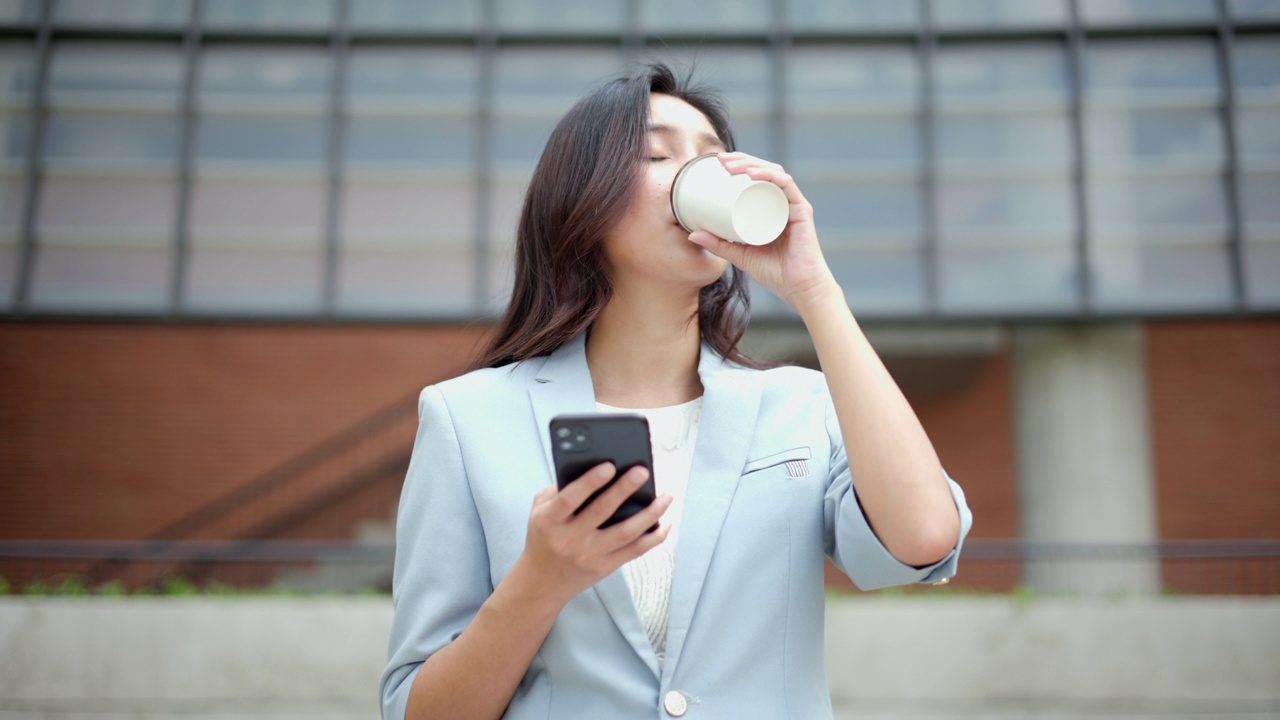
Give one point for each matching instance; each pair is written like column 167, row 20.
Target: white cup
column 704, row 196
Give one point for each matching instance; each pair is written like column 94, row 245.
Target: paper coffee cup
column 705, row 196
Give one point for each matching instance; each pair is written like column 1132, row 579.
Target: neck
column 643, row 350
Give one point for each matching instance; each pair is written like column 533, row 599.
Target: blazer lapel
column 562, row 386
column 730, row 403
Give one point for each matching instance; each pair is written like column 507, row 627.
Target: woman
column 508, row 604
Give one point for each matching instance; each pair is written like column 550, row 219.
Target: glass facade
column 366, row 159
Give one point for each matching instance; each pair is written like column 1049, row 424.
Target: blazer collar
column 731, row 401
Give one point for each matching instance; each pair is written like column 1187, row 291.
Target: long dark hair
column 583, row 185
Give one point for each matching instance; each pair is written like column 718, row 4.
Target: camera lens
column 562, row 432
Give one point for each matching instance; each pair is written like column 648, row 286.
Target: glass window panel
column 376, row 75
column 968, row 75
column 1255, row 9
column 873, row 209
column 549, row 79
column 256, row 244
column 129, row 13
column 852, row 15
column 1173, row 203
column 880, row 282
column 419, row 210
column 414, row 15
column 822, row 142
column 13, row 198
column 970, row 14
column 1003, row 139
column 880, row 78
column 291, row 75
column 505, row 200
column 269, row 14
column 17, row 70
column 1136, row 70
column 708, row 16
column 108, row 205
column 21, row 10
column 559, row 15
column 15, row 137
column 1007, row 280
column 262, row 140
column 85, row 278
column 416, row 142
column 1113, row 12
column 135, row 73
column 1142, row 277
column 115, row 137
column 407, row 247
column 1004, row 206
column 1118, row 138
column 1257, row 64
column 1260, row 207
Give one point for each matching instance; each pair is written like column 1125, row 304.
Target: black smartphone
column 580, row 442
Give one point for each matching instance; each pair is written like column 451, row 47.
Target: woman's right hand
column 567, row 553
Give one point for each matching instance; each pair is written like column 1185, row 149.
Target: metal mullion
column 38, row 114
column 927, row 46
column 186, row 149
column 486, row 49
column 339, row 46
column 1235, row 229
column 1075, row 55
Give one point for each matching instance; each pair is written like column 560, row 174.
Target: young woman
column 507, row 603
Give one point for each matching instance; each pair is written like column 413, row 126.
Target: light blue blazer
column 745, row 636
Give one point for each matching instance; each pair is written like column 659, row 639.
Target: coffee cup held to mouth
column 705, row 196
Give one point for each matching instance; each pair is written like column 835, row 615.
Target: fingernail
column 607, row 470
column 638, row 476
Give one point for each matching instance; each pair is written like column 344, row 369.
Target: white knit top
column 673, row 431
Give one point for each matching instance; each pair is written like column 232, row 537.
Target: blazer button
column 675, row 704
column 943, row 581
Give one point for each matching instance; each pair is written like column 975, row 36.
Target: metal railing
column 987, row 566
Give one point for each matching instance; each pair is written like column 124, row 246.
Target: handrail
column 286, row 471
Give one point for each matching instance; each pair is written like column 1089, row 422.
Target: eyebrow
column 706, row 137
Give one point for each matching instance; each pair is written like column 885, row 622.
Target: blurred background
column 237, row 237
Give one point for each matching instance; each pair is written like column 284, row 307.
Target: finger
column 640, row 546
column 738, row 163
column 625, row 532
column 719, row 247
column 576, row 493
column 603, row 507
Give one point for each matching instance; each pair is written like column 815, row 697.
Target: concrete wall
column 321, row 657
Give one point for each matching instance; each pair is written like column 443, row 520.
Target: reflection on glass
column 1010, row 280
column 1013, row 74
column 123, row 73
column 852, row 15
column 1258, row 136
column 264, row 76
column 559, row 15
column 1114, row 12
column 128, row 13
column 1157, row 198
column 1003, row 139
column 999, row 13
column 269, row 14
column 707, row 16
column 1121, row 70
column 1247, row 10
column 880, row 281
column 25, row 11
column 413, row 15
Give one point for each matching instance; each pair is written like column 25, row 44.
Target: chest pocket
column 793, row 463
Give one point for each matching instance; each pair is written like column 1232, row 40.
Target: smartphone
column 581, row 442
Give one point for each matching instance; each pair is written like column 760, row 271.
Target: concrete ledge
column 1078, row 649
column 188, row 652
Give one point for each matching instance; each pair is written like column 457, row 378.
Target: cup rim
column 675, row 186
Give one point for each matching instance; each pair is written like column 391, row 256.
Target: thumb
column 719, row 247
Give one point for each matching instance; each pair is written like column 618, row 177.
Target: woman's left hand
column 789, row 267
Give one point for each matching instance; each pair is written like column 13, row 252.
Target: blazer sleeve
column 851, row 543
column 441, row 565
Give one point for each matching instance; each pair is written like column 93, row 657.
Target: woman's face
column 648, row 243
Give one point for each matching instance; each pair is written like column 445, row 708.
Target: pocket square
column 798, row 468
